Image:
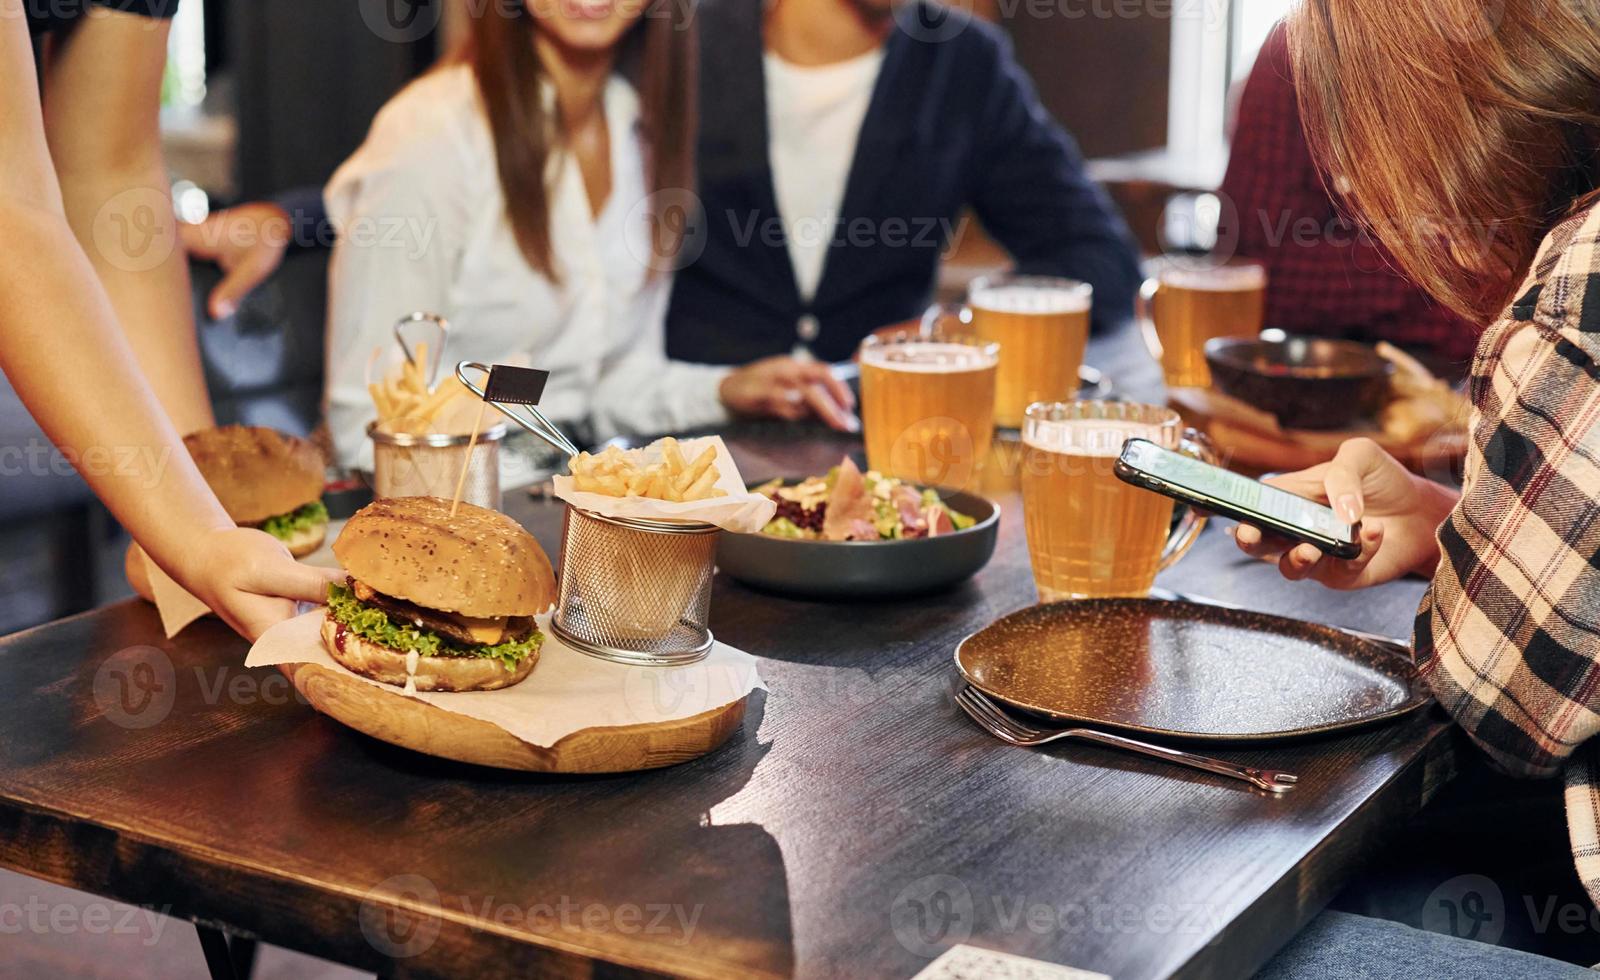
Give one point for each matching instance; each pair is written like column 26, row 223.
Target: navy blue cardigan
column 954, row 123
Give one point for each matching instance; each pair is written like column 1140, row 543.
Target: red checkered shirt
column 1324, row 277
column 1508, row 636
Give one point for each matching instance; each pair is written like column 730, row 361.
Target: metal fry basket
column 405, row 465
column 631, row 590
column 635, row 591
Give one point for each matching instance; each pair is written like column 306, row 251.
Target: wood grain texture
column 854, row 825
column 422, row 727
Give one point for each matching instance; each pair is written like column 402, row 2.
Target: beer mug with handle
column 1090, row 535
column 1187, row 303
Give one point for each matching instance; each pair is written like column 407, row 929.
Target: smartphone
column 1198, row 483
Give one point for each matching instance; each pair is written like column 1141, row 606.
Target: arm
column 1509, row 634
column 1033, row 195
column 101, row 105
column 62, row 350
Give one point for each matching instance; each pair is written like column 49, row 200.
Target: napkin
column 739, row 510
column 567, row 692
column 177, row 607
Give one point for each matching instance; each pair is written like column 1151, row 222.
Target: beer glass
column 1090, row 535
column 927, row 406
column 1185, row 305
column 1042, row 327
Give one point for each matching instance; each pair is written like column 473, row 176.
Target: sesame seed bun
column 479, row 563
column 257, row 472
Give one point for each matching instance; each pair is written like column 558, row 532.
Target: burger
column 265, row 479
column 435, row 602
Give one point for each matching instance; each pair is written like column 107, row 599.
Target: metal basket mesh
column 637, row 592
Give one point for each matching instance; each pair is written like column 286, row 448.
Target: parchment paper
column 567, row 691
column 177, row 607
column 740, row 510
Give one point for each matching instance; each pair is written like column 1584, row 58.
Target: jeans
column 1338, row 945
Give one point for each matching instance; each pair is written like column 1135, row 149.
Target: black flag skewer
column 508, row 386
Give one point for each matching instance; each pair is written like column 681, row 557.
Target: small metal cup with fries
column 422, row 430
column 638, row 547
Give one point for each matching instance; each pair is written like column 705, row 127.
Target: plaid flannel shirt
column 1508, row 636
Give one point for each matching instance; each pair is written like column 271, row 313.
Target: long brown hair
column 1463, row 136
column 658, row 55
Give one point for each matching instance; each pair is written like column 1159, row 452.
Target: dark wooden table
column 858, row 823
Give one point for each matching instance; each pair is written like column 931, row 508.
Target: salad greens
column 374, row 624
column 285, row 526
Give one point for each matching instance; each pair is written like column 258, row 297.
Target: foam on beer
column 1088, row 437
column 1026, row 298
column 1219, row 278
column 927, row 357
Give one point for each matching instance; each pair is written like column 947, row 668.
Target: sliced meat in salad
column 849, row 505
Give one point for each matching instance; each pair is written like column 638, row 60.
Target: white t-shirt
column 423, row 226
column 814, row 117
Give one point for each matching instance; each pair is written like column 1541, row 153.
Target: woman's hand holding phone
column 1399, row 512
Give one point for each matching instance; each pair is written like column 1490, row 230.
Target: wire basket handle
column 537, row 424
column 441, row 337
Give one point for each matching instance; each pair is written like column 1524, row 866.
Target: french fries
column 631, row 473
column 1420, row 404
column 404, row 402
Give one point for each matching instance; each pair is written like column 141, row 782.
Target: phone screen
column 1214, row 483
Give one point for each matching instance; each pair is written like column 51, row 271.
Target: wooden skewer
column 466, row 464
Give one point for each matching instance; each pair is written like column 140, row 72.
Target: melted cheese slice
column 486, row 631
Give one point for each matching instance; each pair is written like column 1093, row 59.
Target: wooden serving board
column 422, row 727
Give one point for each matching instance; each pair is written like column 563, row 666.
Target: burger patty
column 518, row 628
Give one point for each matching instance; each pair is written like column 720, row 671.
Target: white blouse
column 422, row 226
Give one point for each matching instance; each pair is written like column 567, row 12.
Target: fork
column 1004, row 726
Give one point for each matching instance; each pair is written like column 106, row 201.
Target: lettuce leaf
column 285, row 526
column 371, row 623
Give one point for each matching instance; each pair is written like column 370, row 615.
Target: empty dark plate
column 865, row 569
column 1187, row 671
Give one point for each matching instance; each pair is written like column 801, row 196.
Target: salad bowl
column 844, row 570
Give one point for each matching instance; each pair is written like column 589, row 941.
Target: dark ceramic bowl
column 1306, row 382
column 865, row 569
